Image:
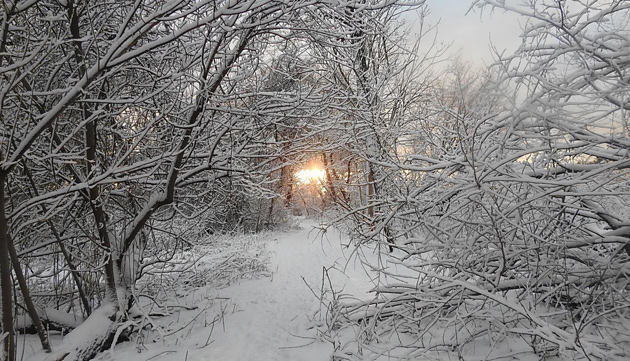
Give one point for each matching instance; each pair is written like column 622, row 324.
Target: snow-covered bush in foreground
column 177, row 294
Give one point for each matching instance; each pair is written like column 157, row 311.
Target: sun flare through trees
column 310, row 175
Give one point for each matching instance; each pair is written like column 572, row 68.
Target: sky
column 472, row 34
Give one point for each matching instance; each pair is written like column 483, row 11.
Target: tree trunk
column 94, row 335
column 371, row 196
column 28, row 301
column 6, row 284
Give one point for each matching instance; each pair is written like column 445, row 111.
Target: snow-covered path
column 271, row 318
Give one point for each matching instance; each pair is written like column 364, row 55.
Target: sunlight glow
column 311, row 175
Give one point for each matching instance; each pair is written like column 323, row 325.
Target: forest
column 501, row 193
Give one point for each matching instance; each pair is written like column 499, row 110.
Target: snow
column 272, row 318
column 275, row 317
column 269, row 317
column 233, row 308
column 51, row 314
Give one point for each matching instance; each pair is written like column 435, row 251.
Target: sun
column 310, row 175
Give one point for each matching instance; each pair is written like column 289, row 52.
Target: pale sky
column 473, row 33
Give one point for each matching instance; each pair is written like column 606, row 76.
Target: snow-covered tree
column 513, row 216
column 119, row 115
column 385, row 80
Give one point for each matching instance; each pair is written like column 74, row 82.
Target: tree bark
column 6, row 284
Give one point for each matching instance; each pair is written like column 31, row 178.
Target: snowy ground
column 275, row 317
column 271, row 318
column 271, row 321
column 258, row 298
